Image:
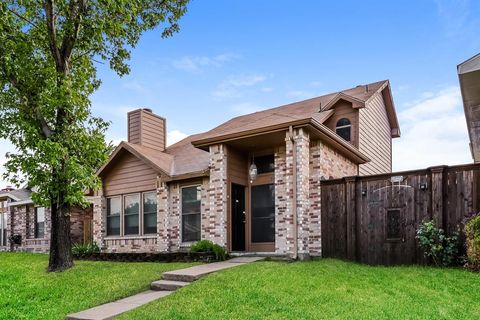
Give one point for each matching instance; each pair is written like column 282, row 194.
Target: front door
column 238, row 217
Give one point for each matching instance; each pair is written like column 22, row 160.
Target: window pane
column 113, row 226
column 150, row 213
column 263, row 213
column 343, row 122
column 265, row 164
column 344, row 133
column 113, row 216
column 394, row 225
column 40, row 214
column 114, row 206
column 150, row 202
column 191, row 204
column 132, row 208
column 191, row 227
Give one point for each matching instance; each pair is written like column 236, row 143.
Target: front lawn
column 28, row 292
column 325, row 289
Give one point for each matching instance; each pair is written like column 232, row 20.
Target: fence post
column 439, row 194
column 351, row 212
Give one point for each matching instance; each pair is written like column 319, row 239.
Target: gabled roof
column 177, row 161
column 159, row 161
column 315, row 108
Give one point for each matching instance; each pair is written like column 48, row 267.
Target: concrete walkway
column 172, row 281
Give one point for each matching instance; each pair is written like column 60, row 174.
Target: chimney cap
column 147, row 109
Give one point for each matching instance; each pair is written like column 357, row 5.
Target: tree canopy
column 48, row 55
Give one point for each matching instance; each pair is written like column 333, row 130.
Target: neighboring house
column 20, row 216
column 469, row 76
column 251, row 184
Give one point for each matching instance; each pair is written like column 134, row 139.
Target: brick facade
column 314, row 161
column 21, row 221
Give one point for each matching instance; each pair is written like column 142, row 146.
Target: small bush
column 85, row 248
column 15, row 239
column 208, row 246
column 442, row 250
column 472, row 233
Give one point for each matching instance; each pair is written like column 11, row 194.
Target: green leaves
column 436, row 245
column 47, row 75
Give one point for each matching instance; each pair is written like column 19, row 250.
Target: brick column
column 163, row 236
column 214, row 221
column 315, row 234
column 19, row 225
column 302, row 144
column 99, row 223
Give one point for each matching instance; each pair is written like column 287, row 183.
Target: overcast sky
column 236, row 57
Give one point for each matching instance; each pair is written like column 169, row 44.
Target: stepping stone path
column 170, row 282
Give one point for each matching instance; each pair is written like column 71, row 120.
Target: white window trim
column 188, row 243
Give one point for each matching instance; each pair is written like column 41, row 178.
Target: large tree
column 48, row 53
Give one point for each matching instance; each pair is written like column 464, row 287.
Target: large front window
column 131, row 213
column 191, row 204
column 39, row 222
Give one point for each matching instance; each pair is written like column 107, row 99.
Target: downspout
column 294, row 200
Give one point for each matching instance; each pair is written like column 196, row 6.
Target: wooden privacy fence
column 373, row 219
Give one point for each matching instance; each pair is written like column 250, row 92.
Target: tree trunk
column 61, row 257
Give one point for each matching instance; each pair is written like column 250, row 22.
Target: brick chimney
column 147, row 129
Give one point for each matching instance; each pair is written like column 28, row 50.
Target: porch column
column 99, row 219
column 315, row 241
column 292, row 167
column 302, row 144
column 163, row 235
column 214, row 219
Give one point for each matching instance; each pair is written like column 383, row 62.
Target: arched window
column 344, row 129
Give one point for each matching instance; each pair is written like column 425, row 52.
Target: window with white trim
column 191, row 213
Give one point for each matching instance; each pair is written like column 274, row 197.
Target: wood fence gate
column 373, row 219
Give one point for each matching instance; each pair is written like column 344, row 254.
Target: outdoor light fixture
column 423, row 186
column 252, row 172
column 364, row 193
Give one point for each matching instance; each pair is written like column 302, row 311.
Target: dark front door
column 238, row 217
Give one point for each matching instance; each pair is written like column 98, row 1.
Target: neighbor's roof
column 185, row 158
column 469, row 77
column 19, row 196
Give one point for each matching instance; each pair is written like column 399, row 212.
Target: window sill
column 130, row 237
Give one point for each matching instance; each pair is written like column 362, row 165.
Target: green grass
column 28, row 292
column 325, row 289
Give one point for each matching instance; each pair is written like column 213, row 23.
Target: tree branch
column 52, row 34
column 74, row 18
column 22, row 17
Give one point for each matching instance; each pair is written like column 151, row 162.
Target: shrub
column 437, row 247
column 85, row 248
column 15, row 239
column 208, row 246
column 472, row 233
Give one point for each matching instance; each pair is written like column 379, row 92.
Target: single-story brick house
column 252, row 184
column 20, row 216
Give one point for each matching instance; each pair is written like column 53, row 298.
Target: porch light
column 252, row 172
